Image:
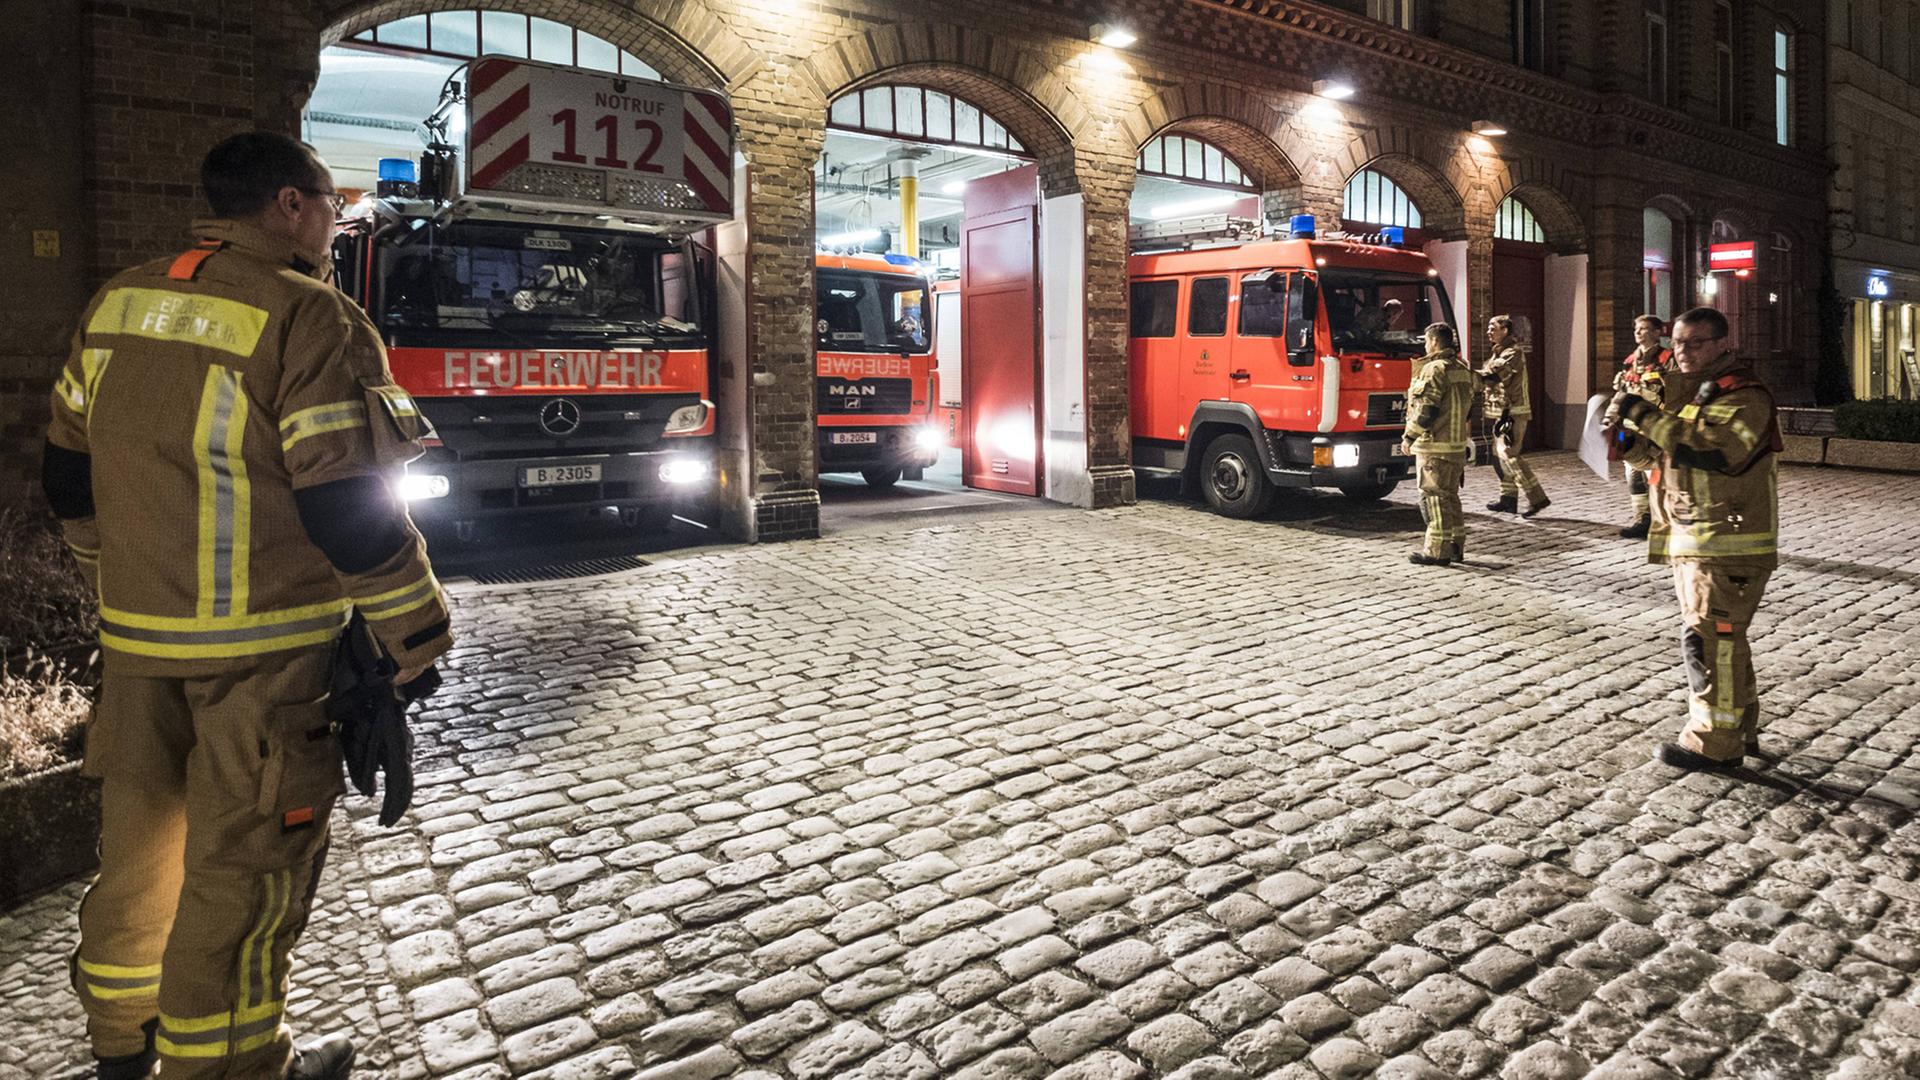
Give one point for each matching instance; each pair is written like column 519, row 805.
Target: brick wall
column 165, row 78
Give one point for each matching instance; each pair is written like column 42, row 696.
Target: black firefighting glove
column 1503, row 427
column 370, row 714
column 1631, row 406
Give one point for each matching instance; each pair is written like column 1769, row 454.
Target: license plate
column 557, row 475
column 854, row 438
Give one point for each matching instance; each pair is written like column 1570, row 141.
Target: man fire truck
column 875, row 378
column 1280, row 363
column 551, row 318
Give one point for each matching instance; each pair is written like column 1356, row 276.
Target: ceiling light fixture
column 1488, row 128
column 1113, row 35
column 953, row 187
column 1333, row 89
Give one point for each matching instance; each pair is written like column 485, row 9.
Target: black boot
column 1421, row 558
column 1682, row 758
column 1638, row 530
column 1535, row 508
column 1505, row 504
column 131, row 1066
column 323, row 1059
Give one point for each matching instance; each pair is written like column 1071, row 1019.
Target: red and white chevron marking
column 500, row 137
column 709, row 150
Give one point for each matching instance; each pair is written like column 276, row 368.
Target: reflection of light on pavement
column 1012, row 437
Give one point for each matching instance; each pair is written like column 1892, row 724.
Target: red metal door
column 1520, row 290
column 1000, row 335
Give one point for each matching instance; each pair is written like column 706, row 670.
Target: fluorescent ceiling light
column 1333, row 89
column 857, row 236
column 953, row 187
column 1194, row 206
column 1488, row 128
column 1113, row 36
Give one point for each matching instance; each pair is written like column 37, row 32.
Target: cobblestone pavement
column 1142, row 792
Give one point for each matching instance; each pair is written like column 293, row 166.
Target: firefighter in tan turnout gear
column 1710, row 450
column 1439, row 401
column 217, row 452
column 1643, row 372
column 1510, row 408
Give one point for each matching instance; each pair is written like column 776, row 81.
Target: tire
column 1369, row 492
column 1233, row 479
column 883, row 478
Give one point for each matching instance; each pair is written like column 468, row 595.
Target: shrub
column 1882, row 421
column 41, row 711
column 45, row 605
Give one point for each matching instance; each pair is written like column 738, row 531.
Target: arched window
column 1191, row 160
column 1513, row 221
column 1376, row 200
column 462, row 35
column 922, row 115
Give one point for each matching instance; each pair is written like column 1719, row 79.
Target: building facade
column 1873, row 64
column 1572, row 160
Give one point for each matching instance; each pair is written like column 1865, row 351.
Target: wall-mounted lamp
column 1333, row 89
column 1489, row 129
column 1709, row 286
column 1113, row 35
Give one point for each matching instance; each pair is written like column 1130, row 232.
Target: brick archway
column 656, row 31
column 1565, row 233
column 1402, row 155
column 1010, row 85
column 1232, row 119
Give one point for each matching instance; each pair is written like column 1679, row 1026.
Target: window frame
column 1658, row 31
column 1783, row 88
column 1133, row 307
column 1226, row 304
column 1725, row 79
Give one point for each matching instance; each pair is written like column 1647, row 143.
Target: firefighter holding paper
column 1710, row 450
column 217, row 455
column 1642, row 373
column 1509, row 407
column 1439, row 400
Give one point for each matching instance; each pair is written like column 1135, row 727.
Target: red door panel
column 1520, row 290
column 999, row 339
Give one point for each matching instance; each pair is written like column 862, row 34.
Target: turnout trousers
column 1515, row 474
column 215, row 795
column 1716, row 606
column 1637, row 491
column 1441, row 476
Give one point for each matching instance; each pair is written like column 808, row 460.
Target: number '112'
column 609, row 126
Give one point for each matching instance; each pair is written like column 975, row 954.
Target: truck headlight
column 929, row 438
column 1345, row 456
column 416, row 486
column 687, row 418
column 684, row 471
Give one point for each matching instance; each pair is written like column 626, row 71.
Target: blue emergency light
column 397, row 179
column 1393, row 236
column 898, row 259
column 1301, row 226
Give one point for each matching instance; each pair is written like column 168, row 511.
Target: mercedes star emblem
column 559, row 417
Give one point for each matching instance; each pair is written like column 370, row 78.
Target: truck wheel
column 1368, row 492
column 882, row 479
column 1233, row 479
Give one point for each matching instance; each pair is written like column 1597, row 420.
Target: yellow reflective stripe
column 117, row 971
column 1723, row 673
column 193, row 1025
column 187, row 638
column 93, row 365
column 110, row 993
column 190, row 623
column 399, row 402
column 374, row 601
column 256, row 952
column 1689, row 411
column 164, row 315
column 1685, row 543
column 412, row 598
column 321, row 419
column 1720, row 719
column 225, row 494
column 252, row 645
column 71, row 393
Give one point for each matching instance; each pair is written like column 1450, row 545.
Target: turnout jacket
column 1710, row 450
column 219, row 436
column 1644, row 372
column 1439, row 400
column 1506, row 376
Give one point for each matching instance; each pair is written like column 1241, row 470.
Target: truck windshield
column 862, row 312
column 474, row 275
column 1381, row 312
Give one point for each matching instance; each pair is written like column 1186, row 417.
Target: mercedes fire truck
column 552, row 314
column 876, row 383
column 1278, row 363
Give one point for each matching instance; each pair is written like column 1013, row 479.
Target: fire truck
column 1276, row 364
column 875, row 378
column 552, row 314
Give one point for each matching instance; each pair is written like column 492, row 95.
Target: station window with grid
column 463, row 35
column 923, row 115
column 1185, row 158
column 1513, row 221
column 1376, row 200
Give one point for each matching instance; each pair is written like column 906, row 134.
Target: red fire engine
column 875, row 379
column 1277, row 364
column 551, row 320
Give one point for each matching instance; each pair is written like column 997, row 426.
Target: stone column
column 1107, row 185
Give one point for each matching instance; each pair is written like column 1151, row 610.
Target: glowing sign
column 1742, row 255
column 1879, row 287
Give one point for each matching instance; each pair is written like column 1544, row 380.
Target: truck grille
column 508, row 426
column 861, row 397
column 1386, row 409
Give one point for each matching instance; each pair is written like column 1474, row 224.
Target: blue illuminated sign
column 1878, row 286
